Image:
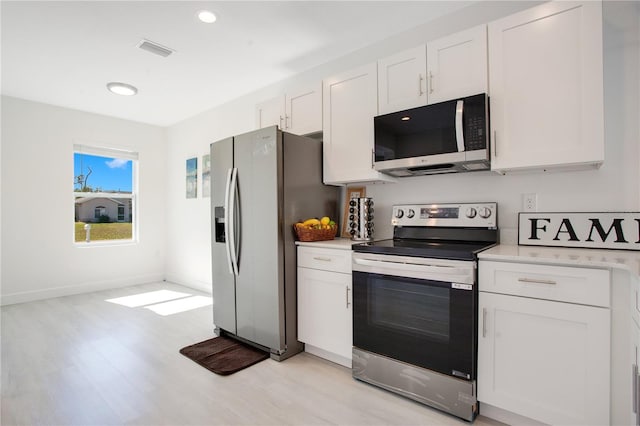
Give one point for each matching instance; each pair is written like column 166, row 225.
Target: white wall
column 39, row 257
column 188, row 221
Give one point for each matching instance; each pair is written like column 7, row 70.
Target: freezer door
column 224, row 296
column 260, row 282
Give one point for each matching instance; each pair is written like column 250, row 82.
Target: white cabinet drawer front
column 566, row 284
column 325, row 259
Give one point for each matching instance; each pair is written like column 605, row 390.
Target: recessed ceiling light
column 405, row 118
column 122, row 89
column 207, row 16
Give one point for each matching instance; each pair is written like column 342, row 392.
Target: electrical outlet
column 530, row 202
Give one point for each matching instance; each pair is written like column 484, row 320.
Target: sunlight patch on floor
column 147, row 298
column 163, row 302
column 180, row 305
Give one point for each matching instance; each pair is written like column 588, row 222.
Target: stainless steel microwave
column 446, row 137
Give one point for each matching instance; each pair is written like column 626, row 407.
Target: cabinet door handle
column 484, row 322
column 287, row 119
column 531, row 280
column 495, row 144
column 347, row 289
column 281, row 128
column 430, row 82
column 322, row 258
column 634, row 375
column 420, row 78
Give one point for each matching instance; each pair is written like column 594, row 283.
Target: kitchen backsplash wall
column 613, row 187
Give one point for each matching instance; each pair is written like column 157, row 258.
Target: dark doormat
column 224, row 355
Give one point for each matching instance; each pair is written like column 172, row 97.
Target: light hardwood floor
column 80, row 360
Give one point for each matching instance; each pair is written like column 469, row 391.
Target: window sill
column 105, row 243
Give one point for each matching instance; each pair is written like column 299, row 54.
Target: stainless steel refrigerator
column 262, row 183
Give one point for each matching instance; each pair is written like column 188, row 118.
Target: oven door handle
column 415, row 267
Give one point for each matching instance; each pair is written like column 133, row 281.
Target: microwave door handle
column 459, row 128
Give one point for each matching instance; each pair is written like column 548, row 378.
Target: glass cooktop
column 454, row 250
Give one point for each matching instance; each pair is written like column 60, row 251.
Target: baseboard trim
column 329, row 356
column 194, row 284
column 506, row 417
column 88, row 287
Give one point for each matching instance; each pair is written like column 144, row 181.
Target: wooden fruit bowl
column 311, row 234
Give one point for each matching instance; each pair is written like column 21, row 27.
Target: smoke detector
column 153, row 47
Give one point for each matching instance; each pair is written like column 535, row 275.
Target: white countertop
column 623, row 259
column 338, row 243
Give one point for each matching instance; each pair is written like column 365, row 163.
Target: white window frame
column 133, row 212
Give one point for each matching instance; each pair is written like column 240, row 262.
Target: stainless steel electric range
column 415, row 304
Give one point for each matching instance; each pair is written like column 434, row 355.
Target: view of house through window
column 104, row 188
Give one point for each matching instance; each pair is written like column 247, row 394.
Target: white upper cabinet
column 270, row 112
column 299, row 111
column 401, row 80
column 546, row 87
column 350, row 103
column 303, row 109
column 447, row 68
column 457, row 65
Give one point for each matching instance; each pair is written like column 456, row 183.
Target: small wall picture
column 192, row 178
column 206, row 176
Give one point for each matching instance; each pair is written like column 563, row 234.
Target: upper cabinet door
column 350, row 102
column 457, row 65
column 270, row 113
column 303, row 114
column 546, row 87
column 401, row 80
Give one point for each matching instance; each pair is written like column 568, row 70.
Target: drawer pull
column 531, row 280
column 322, row 258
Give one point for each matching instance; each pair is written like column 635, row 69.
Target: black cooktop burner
column 454, row 250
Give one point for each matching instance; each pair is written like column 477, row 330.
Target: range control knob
column 411, row 213
column 471, row 212
column 484, row 212
column 399, row 213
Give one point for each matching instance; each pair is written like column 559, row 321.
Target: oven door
column 418, row 311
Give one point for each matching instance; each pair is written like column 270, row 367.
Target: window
column 99, row 211
column 104, row 189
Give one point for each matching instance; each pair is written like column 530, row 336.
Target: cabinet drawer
column 325, row 259
column 565, row 284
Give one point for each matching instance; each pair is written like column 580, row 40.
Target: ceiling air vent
column 155, row 48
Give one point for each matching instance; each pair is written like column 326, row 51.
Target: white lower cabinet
column 543, row 359
column 324, row 303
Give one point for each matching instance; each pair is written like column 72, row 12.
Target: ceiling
column 64, row 53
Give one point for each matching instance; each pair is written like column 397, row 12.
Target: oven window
column 410, row 309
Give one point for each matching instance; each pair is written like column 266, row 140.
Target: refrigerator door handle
column 227, row 216
column 233, row 216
